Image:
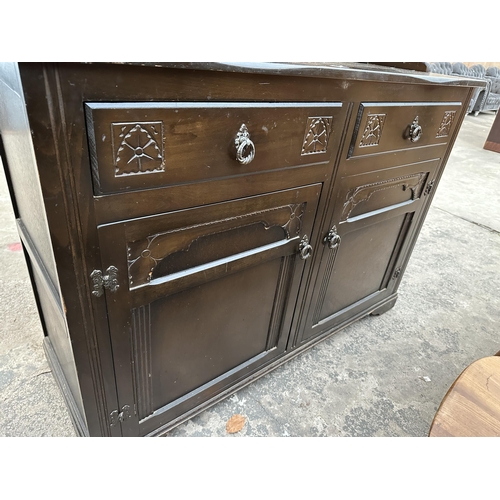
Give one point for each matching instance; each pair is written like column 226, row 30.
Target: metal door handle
column 415, row 131
column 304, row 248
column 245, row 148
column 332, row 238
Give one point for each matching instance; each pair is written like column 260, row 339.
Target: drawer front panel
column 136, row 146
column 384, row 127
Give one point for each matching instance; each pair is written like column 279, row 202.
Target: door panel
column 371, row 248
column 371, row 228
column 207, row 299
column 210, row 336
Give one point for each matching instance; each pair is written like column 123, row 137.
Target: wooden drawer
column 385, row 127
column 135, row 146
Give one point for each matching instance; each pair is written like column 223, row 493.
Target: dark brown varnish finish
column 493, row 140
column 190, row 227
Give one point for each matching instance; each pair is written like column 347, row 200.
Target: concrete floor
column 383, row 376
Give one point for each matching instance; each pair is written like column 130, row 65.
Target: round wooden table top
column 472, row 405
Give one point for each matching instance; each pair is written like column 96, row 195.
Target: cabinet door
column 207, row 300
column 367, row 245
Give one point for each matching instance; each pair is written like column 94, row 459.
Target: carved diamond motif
column 317, row 134
column 137, row 147
column 445, row 127
column 373, row 130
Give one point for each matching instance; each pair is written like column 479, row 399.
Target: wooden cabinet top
column 334, row 70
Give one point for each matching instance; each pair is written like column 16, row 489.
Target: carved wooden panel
column 188, row 142
column 372, row 226
column 137, row 147
column 280, row 298
column 141, row 362
column 385, row 127
column 156, row 255
column 325, row 280
column 447, row 122
column 212, row 297
column 411, row 184
column 373, row 130
column 317, row 134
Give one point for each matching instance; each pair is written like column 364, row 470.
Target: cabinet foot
column 386, row 307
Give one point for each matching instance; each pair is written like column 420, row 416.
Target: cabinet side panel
column 54, row 320
column 21, row 165
column 56, row 326
column 21, row 170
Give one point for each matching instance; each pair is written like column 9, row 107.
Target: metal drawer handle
column 304, row 248
column 332, row 238
column 245, row 148
column 415, row 131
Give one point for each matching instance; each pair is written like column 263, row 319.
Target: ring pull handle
column 245, row 148
column 332, row 239
column 415, row 131
column 304, row 248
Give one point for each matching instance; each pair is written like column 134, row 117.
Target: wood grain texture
column 383, row 127
column 217, row 318
column 348, row 70
column 471, row 408
column 145, row 145
column 385, row 206
column 226, row 298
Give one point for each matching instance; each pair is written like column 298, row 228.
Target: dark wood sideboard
column 190, row 227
